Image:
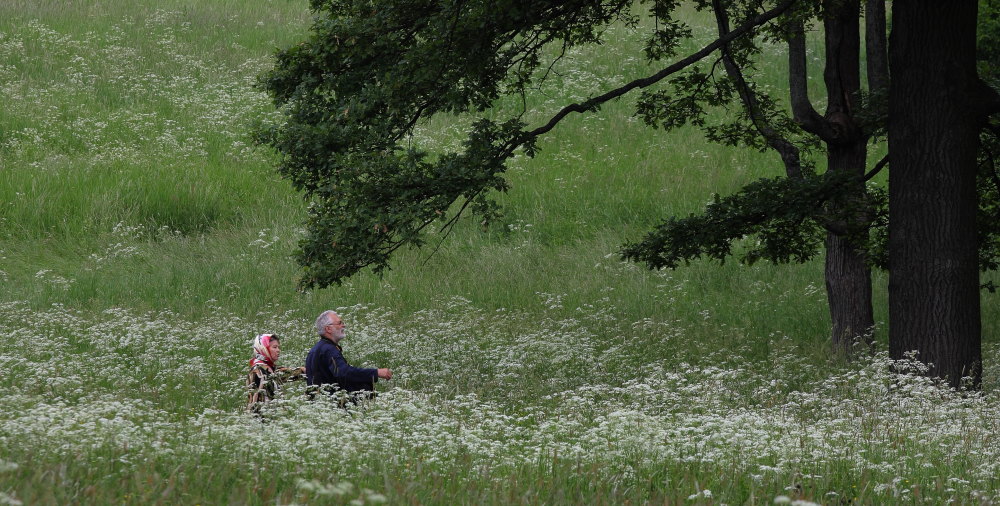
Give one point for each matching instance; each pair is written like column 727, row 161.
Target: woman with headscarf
column 265, row 379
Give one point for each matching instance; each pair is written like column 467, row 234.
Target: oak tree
column 938, row 106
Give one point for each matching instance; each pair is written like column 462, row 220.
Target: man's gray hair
column 325, row 318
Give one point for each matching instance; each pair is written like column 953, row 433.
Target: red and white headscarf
column 261, row 353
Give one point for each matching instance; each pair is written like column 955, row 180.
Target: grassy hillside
column 144, row 241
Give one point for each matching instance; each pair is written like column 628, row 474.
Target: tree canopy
column 354, row 91
column 368, row 74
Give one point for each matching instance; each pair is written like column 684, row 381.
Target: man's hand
column 385, row 373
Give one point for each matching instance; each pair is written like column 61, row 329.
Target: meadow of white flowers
column 474, row 390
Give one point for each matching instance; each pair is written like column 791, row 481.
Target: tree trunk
column 934, row 306
column 848, row 276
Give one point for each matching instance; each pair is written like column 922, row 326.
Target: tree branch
column 798, row 86
column 448, row 227
column 655, row 78
column 393, row 246
column 788, row 151
column 877, row 168
column 841, row 73
column 875, row 47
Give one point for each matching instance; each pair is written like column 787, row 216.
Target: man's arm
column 341, row 369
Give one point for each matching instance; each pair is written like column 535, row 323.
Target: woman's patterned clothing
column 264, row 384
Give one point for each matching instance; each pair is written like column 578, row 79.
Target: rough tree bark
column 936, row 106
column 848, row 275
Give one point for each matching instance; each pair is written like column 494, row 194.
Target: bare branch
column 448, row 227
column 877, row 168
column 798, row 86
column 789, row 152
column 841, row 74
column 657, row 77
column 875, row 47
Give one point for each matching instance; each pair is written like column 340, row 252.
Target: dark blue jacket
column 325, row 365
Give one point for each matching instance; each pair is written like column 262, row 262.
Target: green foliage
column 353, row 93
column 988, row 43
column 988, row 180
column 379, row 202
column 781, row 212
column 355, row 90
column 668, row 109
column 989, row 212
column 669, row 32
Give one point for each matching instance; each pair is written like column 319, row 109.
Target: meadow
column 144, row 241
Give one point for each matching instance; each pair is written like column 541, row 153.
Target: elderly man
column 325, row 364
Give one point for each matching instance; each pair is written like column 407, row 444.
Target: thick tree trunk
column 933, row 138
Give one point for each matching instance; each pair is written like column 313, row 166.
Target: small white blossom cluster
column 54, row 280
column 9, row 499
column 342, row 489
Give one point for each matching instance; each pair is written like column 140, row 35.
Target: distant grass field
column 144, row 241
